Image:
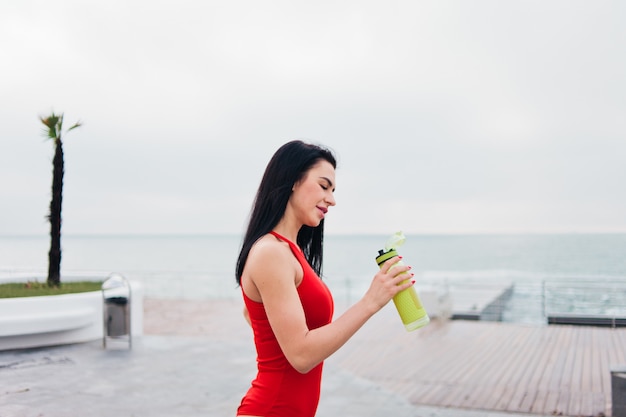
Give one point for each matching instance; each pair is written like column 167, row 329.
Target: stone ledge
column 29, row 322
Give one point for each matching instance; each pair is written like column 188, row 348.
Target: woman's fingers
column 390, row 280
column 390, row 263
column 391, row 267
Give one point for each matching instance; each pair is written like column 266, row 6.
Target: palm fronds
column 54, row 126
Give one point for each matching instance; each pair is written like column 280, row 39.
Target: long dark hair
column 288, row 166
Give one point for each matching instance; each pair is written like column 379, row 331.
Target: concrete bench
column 59, row 319
column 50, row 320
column 16, row 325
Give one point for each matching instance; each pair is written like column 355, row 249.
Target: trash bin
column 618, row 390
column 116, row 295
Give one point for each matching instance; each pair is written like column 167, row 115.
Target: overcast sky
column 446, row 116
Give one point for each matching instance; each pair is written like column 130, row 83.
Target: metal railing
column 533, row 300
column 596, row 302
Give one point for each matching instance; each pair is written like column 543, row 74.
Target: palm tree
column 53, row 130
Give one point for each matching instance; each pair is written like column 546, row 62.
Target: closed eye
column 328, row 184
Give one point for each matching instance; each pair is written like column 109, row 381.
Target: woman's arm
column 275, row 281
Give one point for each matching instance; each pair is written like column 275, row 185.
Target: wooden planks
column 550, row 370
column 547, row 370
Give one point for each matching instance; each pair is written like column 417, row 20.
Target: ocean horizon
column 202, row 266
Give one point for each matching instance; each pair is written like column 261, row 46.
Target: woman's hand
column 387, row 283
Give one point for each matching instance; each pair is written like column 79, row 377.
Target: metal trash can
column 116, row 295
column 618, row 390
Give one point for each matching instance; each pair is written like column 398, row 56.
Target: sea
column 573, row 273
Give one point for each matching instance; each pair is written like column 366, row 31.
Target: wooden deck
column 550, row 370
column 547, row 370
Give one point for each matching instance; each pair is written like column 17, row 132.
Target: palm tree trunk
column 54, row 256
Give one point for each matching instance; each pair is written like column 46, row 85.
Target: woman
column 287, row 305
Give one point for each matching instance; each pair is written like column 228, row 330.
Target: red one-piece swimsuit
column 278, row 389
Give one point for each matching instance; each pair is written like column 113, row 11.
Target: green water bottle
column 407, row 302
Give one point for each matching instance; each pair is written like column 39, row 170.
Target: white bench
column 16, row 325
column 59, row 319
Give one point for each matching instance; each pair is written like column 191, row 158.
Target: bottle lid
column 385, row 255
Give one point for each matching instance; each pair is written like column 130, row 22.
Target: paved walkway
column 199, row 367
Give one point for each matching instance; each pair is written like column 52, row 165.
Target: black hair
column 289, row 165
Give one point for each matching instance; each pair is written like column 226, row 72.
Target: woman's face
column 313, row 195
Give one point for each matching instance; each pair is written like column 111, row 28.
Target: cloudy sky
column 483, row 116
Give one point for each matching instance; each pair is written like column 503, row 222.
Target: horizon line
column 232, row 234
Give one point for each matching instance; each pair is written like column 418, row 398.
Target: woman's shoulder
column 268, row 246
column 271, row 257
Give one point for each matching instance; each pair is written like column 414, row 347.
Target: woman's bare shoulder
column 267, row 248
column 270, row 266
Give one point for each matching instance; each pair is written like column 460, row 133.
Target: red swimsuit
column 278, row 389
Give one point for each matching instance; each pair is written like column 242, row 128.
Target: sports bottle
column 407, row 301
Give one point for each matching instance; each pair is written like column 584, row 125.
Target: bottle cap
column 384, row 256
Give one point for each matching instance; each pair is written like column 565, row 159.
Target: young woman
column 288, row 306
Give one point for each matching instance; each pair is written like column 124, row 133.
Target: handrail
column 585, row 301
